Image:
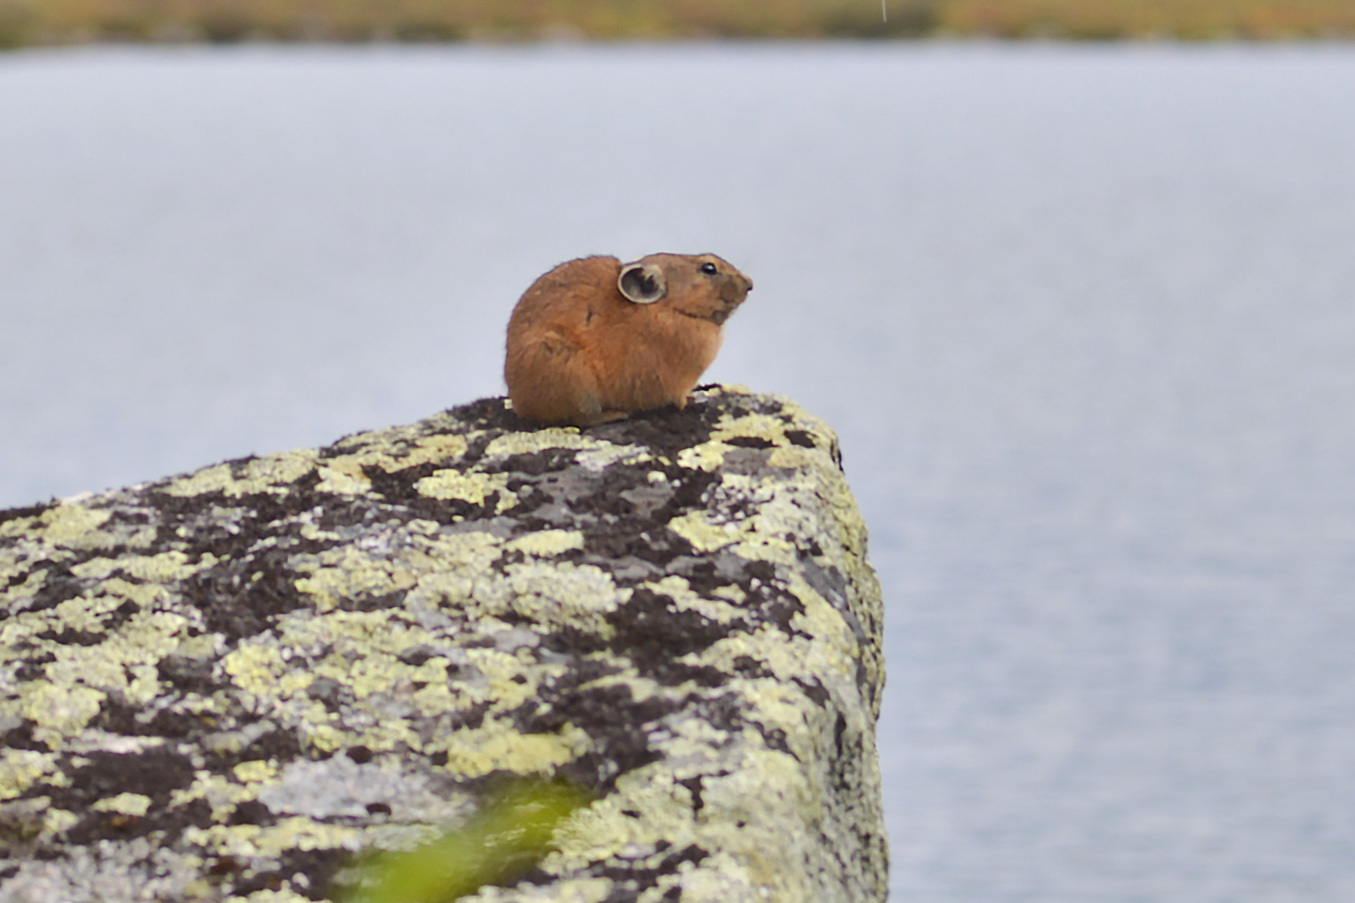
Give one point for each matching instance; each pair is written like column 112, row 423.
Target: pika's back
column 572, row 288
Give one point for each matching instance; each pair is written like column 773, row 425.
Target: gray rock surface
column 223, row 685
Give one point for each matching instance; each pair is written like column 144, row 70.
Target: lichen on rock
column 225, row 685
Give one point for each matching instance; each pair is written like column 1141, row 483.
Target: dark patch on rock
column 399, row 488
column 751, row 668
column 701, row 675
column 622, row 892
column 372, row 602
column 417, row 655
column 748, row 442
column 775, row 738
column 814, row 689
column 490, row 413
column 72, row 637
column 9, row 514
column 574, row 641
column 536, row 464
column 651, row 629
column 252, row 812
column 631, row 878
column 21, row 737
column 328, row 691
column 781, row 610
column 317, row 866
column 726, row 712
column 689, row 493
column 665, row 431
column 120, row 615
column 360, row 754
column 59, row 586
column 243, row 598
column 237, row 466
column 116, row 717
column 33, row 667
column 153, row 773
column 281, row 745
column 224, row 865
column 95, row 826
column 612, row 717
column 691, row 853
column 621, row 539
column 469, row 719
column 187, row 675
column 801, row 438
column 693, row 786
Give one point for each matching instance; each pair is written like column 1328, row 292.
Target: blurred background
column 67, row 21
column 1082, row 311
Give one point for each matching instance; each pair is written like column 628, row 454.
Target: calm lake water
column 1084, row 318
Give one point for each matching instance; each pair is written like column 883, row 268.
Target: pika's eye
column 709, row 269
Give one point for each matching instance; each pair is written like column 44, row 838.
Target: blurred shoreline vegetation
column 57, row 22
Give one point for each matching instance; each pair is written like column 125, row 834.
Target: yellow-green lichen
column 604, row 830
column 21, row 768
column 475, row 488
column 295, row 833
column 58, row 821
column 165, row 567
column 345, row 474
column 508, row 682
column 533, row 442
column 708, row 456
column 68, row 523
column 17, row 527
column 569, row 889
column 268, row 895
column 342, row 478
column 547, row 543
column 85, row 613
column 134, row 804
column 347, row 572
column 254, row 667
column 59, row 710
column 21, row 593
column 551, row 593
column 254, row 771
column 724, row 610
column 496, row 746
column 259, row 475
column 326, row 737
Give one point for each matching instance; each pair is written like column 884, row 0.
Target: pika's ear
column 642, row 283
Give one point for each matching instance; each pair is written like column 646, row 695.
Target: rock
column 223, row 685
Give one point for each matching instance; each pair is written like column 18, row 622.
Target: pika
column 595, row 340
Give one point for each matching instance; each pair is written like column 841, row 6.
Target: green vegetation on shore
column 28, row 22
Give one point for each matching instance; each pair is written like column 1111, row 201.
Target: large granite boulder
column 223, row 685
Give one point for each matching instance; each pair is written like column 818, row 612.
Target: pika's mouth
column 717, row 316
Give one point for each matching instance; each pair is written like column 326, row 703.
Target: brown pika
column 594, row 340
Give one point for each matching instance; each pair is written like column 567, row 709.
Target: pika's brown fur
column 594, row 340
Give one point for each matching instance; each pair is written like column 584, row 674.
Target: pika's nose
column 747, row 284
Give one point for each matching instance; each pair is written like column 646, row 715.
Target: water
column 1083, row 318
